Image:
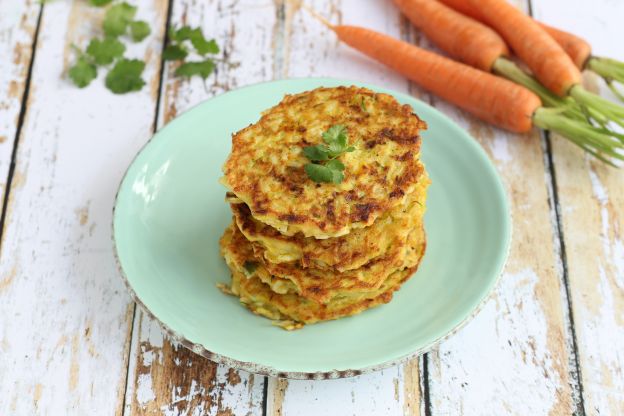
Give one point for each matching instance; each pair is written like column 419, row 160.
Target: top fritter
column 266, row 167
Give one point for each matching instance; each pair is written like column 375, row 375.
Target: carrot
column 493, row 99
column 477, row 45
column 578, row 50
column 464, row 8
column 463, row 38
column 490, row 98
column 548, row 61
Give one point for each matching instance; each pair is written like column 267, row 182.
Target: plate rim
column 267, row 370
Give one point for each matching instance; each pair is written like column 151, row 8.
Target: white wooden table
column 550, row 340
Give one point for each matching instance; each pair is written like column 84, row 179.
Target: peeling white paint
column 473, row 375
column 144, row 391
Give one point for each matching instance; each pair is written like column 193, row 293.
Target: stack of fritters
column 301, row 251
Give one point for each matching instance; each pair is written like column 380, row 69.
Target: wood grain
column 309, row 51
column 18, row 21
column 66, row 315
column 165, row 378
column 515, row 357
column 590, row 202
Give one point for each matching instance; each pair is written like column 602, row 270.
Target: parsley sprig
column 178, row 49
column 125, row 75
column 326, row 167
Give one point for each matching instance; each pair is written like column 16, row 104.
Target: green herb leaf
column 125, row 76
column 203, row 46
column 99, row 3
column 337, row 176
column 174, row 52
column 105, row 51
column 316, row 153
column 195, row 35
column 319, row 173
column 332, row 170
column 189, row 69
column 180, row 34
column 117, row 19
column 335, row 165
column 250, row 267
column 139, row 30
column 83, row 72
column 336, row 134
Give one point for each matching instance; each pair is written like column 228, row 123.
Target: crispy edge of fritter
column 280, row 315
column 335, row 254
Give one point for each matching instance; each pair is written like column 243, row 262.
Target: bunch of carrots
column 485, row 82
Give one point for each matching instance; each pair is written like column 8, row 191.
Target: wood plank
column 393, row 391
column 310, row 50
column 18, row 21
column 590, row 202
column 515, row 357
column 165, row 378
column 66, row 314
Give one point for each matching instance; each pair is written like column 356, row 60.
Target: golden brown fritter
column 321, row 286
column 343, row 253
column 266, row 167
column 292, row 310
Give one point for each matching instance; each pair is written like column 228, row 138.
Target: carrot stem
column 508, row 69
column 593, row 102
column 611, row 70
column 589, row 138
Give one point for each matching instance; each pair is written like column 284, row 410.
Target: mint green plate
column 170, row 213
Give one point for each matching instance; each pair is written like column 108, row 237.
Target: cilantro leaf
column 316, row 153
column 125, row 76
column 174, row 52
column 105, row 51
column 333, row 169
column 83, row 72
column 99, row 3
column 319, row 173
column 117, row 19
column 203, row 46
column 139, row 30
column 181, row 34
column 337, row 176
column 195, row 35
column 336, row 134
column 335, row 165
column 189, row 69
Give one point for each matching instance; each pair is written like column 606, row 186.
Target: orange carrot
column 611, row 70
column 576, row 48
column 461, row 37
column 548, row 61
column 543, row 49
column 477, row 45
column 464, row 8
column 493, row 99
